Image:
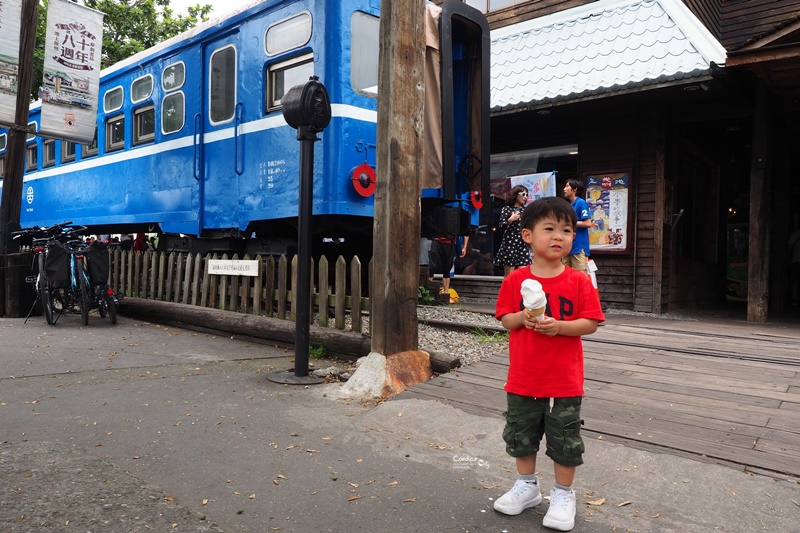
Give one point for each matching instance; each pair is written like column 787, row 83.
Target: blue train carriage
column 191, row 139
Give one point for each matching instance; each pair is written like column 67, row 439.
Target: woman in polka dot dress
column 513, row 252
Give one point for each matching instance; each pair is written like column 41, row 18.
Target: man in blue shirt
column 580, row 244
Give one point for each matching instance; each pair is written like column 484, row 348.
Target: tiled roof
column 603, row 47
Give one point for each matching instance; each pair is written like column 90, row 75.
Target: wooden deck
column 726, row 392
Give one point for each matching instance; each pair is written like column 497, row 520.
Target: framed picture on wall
column 609, row 197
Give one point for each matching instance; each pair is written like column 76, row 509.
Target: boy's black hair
column 577, row 186
column 551, row 206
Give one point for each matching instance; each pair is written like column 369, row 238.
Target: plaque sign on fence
column 233, row 267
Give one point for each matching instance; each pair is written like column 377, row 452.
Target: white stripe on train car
column 263, row 124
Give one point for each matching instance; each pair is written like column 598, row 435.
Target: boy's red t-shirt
column 542, row 366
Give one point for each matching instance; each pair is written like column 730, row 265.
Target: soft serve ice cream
column 533, row 298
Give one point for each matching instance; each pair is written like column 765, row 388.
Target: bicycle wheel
column 84, row 295
column 111, row 307
column 44, row 293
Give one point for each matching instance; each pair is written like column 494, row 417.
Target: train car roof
column 185, row 36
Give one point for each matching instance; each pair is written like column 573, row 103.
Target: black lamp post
column 307, row 109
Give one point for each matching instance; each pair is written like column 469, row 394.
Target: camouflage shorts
column 528, row 419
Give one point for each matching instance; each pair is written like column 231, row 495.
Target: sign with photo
column 10, row 19
column 608, row 196
column 71, row 71
column 538, row 185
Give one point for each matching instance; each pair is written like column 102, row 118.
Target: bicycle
column 105, row 299
column 40, row 238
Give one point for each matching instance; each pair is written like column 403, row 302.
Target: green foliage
column 424, row 296
column 316, row 352
column 129, row 27
column 491, row 337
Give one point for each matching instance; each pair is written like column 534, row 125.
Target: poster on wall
column 71, row 71
column 10, row 17
column 608, row 196
column 538, row 185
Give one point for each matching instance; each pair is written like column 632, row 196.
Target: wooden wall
column 613, row 141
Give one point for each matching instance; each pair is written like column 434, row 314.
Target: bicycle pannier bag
column 56, row 265
column 98, row 262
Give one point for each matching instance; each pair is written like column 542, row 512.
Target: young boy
column 545, row 373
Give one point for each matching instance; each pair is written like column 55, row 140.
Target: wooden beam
column 737, row 59
column 662, row 210
column 401, row 95
column 758, row 240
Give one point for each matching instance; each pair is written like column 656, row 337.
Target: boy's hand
column 547, row 326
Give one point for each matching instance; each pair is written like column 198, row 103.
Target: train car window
column 283, row 76
column 67, row 151
column 32, row 157
column 32, row 128
column 115, row 133
column 113, row 99
column 49, row 153
column 144, row 125
column 173, row 112
column 141, row 88
column 288, row 34
column 3, row 141
column 222, row 85
column 364, row 46
column 90, row 149
column 173, row 76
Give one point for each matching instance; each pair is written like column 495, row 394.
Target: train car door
column 220, row 159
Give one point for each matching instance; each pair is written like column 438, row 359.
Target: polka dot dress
column 513, row 250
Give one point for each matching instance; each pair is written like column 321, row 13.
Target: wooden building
column 698, row 102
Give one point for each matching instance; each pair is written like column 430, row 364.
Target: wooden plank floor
column 719, row 391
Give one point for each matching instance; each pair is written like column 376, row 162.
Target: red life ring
column 477, row 199
column 363, row 177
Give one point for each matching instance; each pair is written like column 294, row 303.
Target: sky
column 220, row 6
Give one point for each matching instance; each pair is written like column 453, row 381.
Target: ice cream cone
column 537, row 312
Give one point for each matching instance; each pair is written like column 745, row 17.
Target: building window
column 113, row 99
column 67, row 151
column 32, row 127
column 90, row 149
column 115, row 133
column 283, row 76
column 32, row 157
column 2, row 167
column 144, row 125
column 173, row 76
column 49, row 152
column 141, row 88
column 222, row 85
column 288, row 34
column 172, row 112
column 3, row 141
column 364, row 53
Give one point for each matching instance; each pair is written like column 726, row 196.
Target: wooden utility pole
column 401, row 96
column 12, row 182
column 758, row 239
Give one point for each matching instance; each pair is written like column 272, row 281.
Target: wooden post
column 401, row 93
column 11, row 200
column 758, row 239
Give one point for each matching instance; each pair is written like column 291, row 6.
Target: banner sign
column 538, row 185
column 71, row 71
column 607, row 195
column 10, row 17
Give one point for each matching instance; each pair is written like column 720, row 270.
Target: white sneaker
column 522, row 495
column 561, row 514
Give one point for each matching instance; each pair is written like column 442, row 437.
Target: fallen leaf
column 399, row 414
column 252, row 496
column 409, row 500
column 657, row 515
column 393, row 483
column 312, row 451
column 281, row 476
column 351, row 498
column 623, row 504
column 353, row 485
column 205, row 502
column 601, row 501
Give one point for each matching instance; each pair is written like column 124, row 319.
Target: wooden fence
column 184, row 278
